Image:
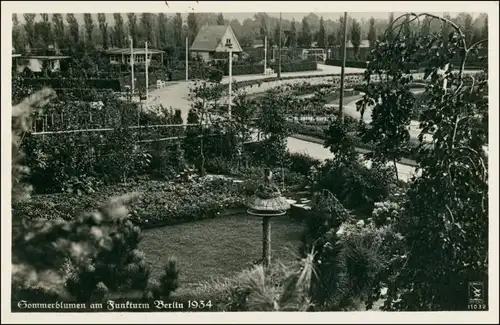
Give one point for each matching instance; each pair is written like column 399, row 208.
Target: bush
column 367, row 252
column 168, row 282
column 326, row 213
column 92, row 257
column 301, row 163
column 355, row 185
column 350, row 258
column 58, row 162
column 274, row 288
column 219, row 165
column 166, row 161
column 386, row 213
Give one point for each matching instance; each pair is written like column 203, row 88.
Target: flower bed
column 160, row 203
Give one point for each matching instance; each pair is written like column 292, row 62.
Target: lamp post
column 229, row 45
column 132, row 63
column 265, row 54
column 187, row 58
column 279, row 58
column 147, row 76
column 267, row 203
column 342, row 71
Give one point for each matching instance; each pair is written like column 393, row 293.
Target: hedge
column 348, row 63
column 58, row 83
column 141, row 78
column 259, row 68
column 471, row 64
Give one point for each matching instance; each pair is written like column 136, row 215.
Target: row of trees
column 161, row 31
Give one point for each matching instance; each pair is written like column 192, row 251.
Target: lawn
column 218, row 247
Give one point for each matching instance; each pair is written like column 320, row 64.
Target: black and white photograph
column 189, row 157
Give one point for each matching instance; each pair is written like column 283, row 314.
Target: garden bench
column 160, row 84
column 269, row 72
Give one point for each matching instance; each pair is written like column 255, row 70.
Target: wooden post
column 266, row 241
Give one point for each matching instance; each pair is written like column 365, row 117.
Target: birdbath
column 267, row 203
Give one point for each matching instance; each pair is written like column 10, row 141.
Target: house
column 122, row 56
column 212, row 41
column 36, row 63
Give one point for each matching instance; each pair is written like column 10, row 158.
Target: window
column 228, row 41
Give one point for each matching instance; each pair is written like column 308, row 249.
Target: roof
column 209, row 37
column 48, row 57
column 135, row 50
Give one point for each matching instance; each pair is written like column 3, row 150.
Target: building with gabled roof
column 122, row 55
column 212, row 40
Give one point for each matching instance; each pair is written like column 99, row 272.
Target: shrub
column 349, row 262
column 275, row 288
column 355, row 185
column 302, row 163
column 386, row 213
column 326, row 213
column 166, row 161
column 90, row 256
column 219, row 165
column 168, row 282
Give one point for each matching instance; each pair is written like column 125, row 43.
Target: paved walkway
column 317, row 151
column 176, row 96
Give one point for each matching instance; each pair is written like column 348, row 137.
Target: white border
column 236, row 7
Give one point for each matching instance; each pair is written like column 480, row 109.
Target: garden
column 155, row 208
